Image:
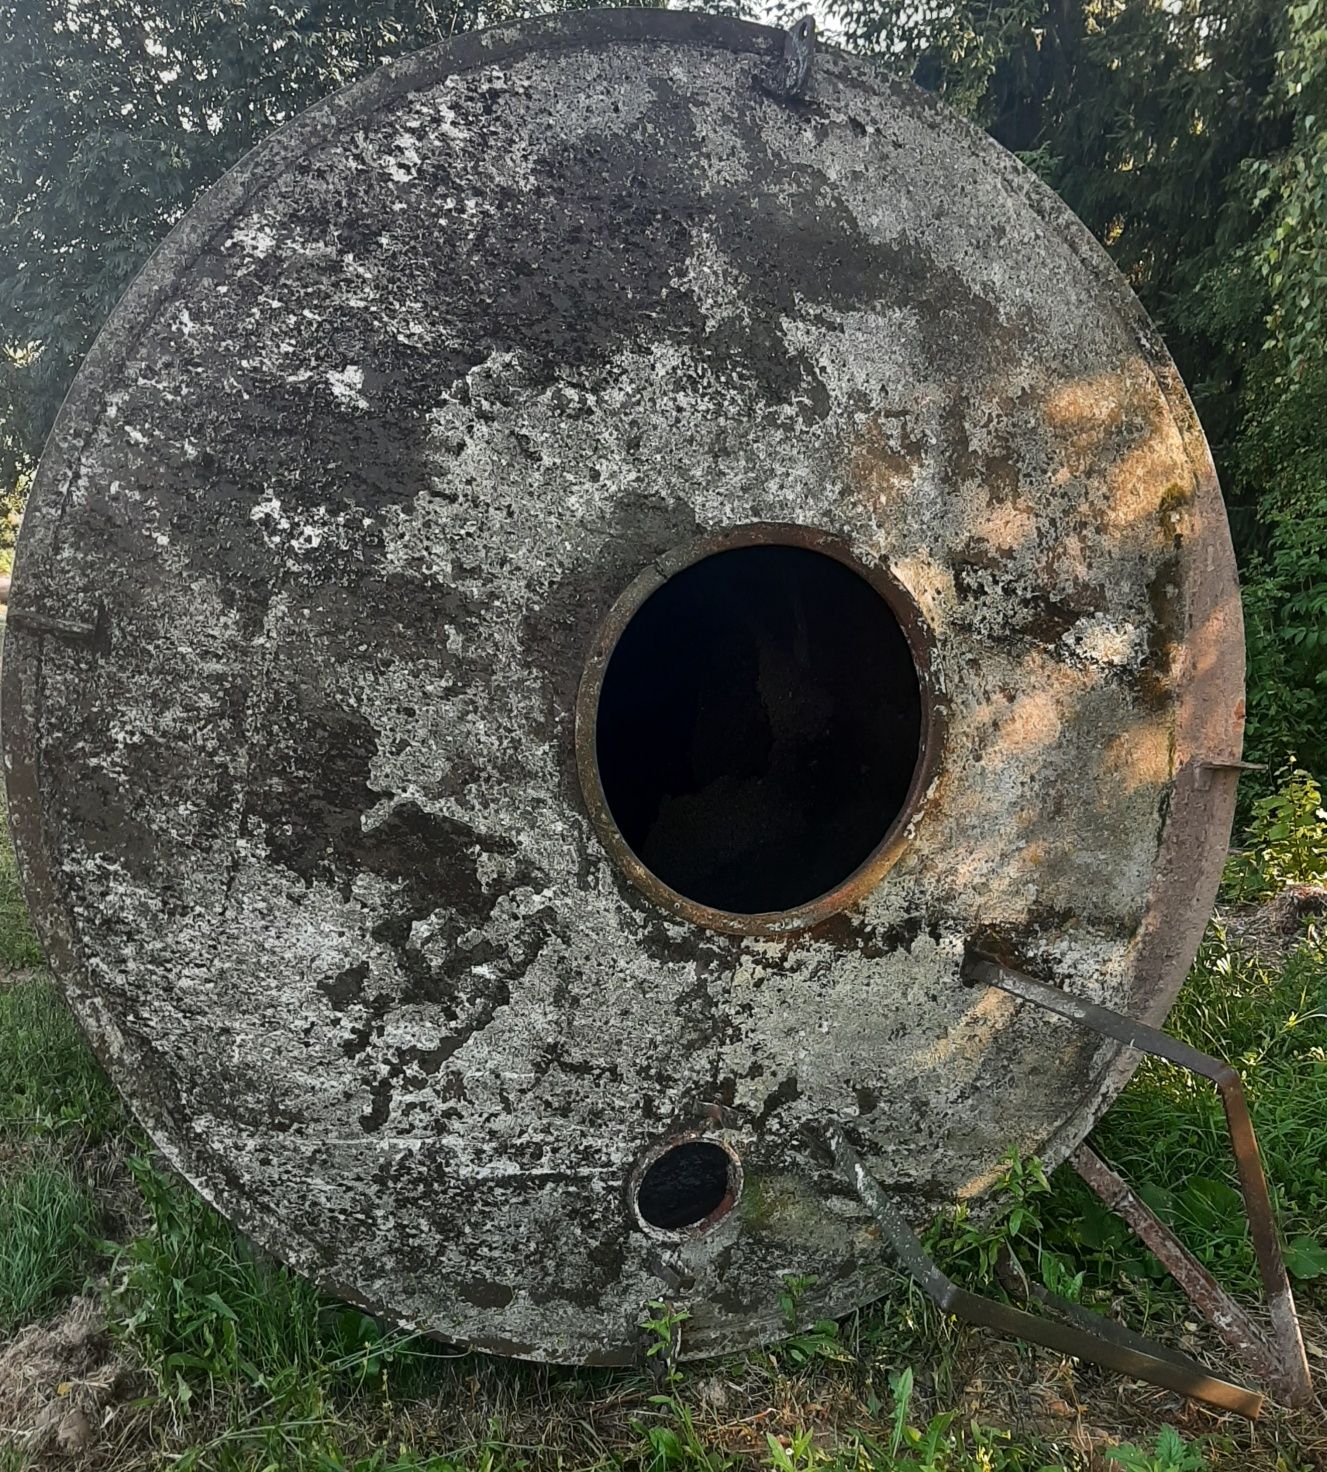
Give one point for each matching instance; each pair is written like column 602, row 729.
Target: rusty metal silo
column 577, row 586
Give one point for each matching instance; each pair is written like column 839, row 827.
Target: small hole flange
column 685, row 1185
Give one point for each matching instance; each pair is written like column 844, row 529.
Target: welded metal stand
column 1279, row 1360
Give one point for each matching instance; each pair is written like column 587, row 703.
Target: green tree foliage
column 1281, row 456
column 1189, row 136
column 116, row 114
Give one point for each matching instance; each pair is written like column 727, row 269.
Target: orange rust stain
column 1142, row 493
column 1085, row 417
column 883, row 461
column 1033, row 722
column 1140, row 757
column 968, row 1042
column 1115, row 428
column 1088, row 405
column 1206, row 724
column 1036, row 853
column 1066, row 562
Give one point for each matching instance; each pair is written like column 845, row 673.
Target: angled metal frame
column 1279, row 1362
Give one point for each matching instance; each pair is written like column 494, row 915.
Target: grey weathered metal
column 363, row 485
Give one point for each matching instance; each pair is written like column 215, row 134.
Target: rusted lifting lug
column 72, row 631
column 1204, row 771
column 675, row 1279
column 713, row 1112
column 1281, row 1363
column 790, row 73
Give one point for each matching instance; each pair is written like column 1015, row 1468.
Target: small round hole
column 689, row 1183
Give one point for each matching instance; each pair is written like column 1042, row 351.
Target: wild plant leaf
column 1306, row 1258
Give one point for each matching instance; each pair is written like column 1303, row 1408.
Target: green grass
column 283, row 1377
column 1167, row 1134
column 49, row 1080
column 18, row 945
column 46, row 1228
column 200, row 1303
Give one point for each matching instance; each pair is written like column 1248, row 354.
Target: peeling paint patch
column 346, row 384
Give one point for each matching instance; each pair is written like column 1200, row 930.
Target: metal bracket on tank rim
column 1279, row 1362
column 790, row 74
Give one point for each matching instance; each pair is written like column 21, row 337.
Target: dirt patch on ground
column 62, row 1384
column 1082, row 1410
column 1269, row 930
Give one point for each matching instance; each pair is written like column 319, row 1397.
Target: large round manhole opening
column 759, row 725
column 687, row 1185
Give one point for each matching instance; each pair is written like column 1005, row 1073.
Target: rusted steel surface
column 346, row 489
column 1200, row 1287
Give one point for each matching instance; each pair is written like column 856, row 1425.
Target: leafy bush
column 1286, row 840
column 968, row 1245
column 1169, row 1453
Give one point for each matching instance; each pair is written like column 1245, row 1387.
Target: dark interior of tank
column 758, row 727
column 687, row 1184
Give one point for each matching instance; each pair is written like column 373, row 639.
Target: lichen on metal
column 348, row 488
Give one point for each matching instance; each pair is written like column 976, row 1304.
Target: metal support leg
column 1086, row 1336
column 1282, row 1363
column 1202, row 1290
